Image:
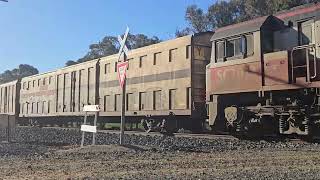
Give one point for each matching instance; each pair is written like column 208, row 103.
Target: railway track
column 207, row 136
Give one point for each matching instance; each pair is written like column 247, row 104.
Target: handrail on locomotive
column 307, row 49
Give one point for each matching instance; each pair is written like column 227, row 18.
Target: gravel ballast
column 51, row 153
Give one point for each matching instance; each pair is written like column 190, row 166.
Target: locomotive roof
column 300, row 12
column 297, row 13
column 246, row 27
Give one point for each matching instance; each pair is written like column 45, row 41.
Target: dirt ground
column 138, row 162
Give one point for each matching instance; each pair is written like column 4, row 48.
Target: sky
column 47, row 33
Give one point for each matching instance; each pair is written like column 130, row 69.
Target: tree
column 23, row 70
column 184, row 32
column 223, row 13
column 141, row 40
column 70, row 63
column 197, row 19
column 110, row 45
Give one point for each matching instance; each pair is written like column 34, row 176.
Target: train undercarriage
column 285, row 113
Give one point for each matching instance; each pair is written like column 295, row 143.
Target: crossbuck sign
column 121, row 69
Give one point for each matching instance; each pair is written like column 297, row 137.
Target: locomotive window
column 39, row 80
column 237, row 47
column 34, row 83
column 249, row 44
column 220, row 51
column 24, row 85
column 305, row 32
column 234, row 47
column 230, row 49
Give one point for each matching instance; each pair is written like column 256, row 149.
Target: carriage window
column 107, row 68
column 142, row 100
column 117, row 102
column 44, row 81
column 173, row 54
column 156, row 57
column 172, row 98
column 115, row 66
column 157, row 100
column 50, row 79
column 106, row 103
column 188, row 97
column 188, row 50
column 142, row 59
column 129, row 63
column 131, row 101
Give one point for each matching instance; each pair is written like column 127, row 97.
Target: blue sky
column 47, row 33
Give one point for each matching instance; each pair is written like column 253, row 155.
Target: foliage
column 22, row 71
column 110, row 45
column 223, row 13
column 184, row 32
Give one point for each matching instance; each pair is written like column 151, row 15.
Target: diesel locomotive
column 264, row 74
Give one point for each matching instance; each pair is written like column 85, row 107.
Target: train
column 255, row 77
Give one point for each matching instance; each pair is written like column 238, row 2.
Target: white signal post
column 121, row 69
column 88, row 128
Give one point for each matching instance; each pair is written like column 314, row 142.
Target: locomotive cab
column 264, row 74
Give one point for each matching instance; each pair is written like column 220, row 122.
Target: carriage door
column 73, row 91
column 303, row 58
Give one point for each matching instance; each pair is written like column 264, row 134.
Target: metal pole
column 95, row 124
column 84, row 123
column 123, row 110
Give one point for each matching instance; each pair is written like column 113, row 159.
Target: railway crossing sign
column 123, row 47
column 122, row 67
